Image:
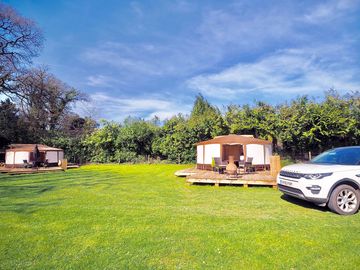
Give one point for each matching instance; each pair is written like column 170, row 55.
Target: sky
column 147, row 58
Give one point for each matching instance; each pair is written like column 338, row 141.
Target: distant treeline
column 295, row 128
column 39, row 110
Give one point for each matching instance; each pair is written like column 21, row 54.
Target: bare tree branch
column 20, row 41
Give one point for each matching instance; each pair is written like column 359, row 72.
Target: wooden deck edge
column 184, row 174
column 232, row 182
column 30, row 172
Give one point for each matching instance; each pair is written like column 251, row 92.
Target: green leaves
column 294, row 128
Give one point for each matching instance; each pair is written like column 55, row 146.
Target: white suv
column 332, row 178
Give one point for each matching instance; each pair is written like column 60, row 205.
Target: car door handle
column 357, row 175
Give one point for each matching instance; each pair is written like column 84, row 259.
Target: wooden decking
column 195, row 176
column 33, row 170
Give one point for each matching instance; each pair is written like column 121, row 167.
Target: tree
column 206, row 120
column 20, row 41
column 11, row 128
column 135, row 140
column 176, row 141
column 261, row 121
column 354, row 104
column 71, row 137
column 45, row 100
column 179, row 134
column 102, row 142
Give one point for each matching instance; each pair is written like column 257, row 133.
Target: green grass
column 143, row 217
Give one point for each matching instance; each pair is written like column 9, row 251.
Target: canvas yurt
column 241, row 147
column 19, row 154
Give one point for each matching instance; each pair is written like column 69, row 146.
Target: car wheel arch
column 344, row 181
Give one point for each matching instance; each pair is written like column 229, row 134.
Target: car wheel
column 344, row 200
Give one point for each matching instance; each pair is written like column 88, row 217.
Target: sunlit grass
column 143, row 217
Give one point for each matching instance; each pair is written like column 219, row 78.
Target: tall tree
column 45, row 101
column 11, row 129
column 206, row 120
column 20, row 41
column 179, row 134
column 135, row 139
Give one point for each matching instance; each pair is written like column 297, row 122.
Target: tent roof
column 30, row 147
column 234, row 139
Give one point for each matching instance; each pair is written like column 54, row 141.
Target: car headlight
column 316, row 176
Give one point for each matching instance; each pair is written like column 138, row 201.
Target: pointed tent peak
column 235, row 139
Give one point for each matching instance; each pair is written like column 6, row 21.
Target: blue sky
column 146, row 58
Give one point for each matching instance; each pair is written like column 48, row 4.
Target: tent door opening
column 235, row 150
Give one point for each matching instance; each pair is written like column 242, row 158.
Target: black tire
column 344, row 200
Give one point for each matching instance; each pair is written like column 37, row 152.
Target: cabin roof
column 235, row 139
column 30, row 147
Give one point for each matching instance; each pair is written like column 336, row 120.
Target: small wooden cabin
column 16, row 154
column 241, row 147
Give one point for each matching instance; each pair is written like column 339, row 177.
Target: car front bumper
column 295, row 192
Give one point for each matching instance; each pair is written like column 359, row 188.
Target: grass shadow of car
column 303, row 203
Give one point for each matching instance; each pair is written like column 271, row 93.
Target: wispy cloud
column 288, row 71
column 108, row 55
column 100, row 80
column 166, row 51
column 103, row 105
column 330, row 10
column 242, row 28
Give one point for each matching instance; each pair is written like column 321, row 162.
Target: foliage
column 261, row 121
column 179, row 135
column 11, row 127
column 176, row 141
column 306, row 125
column 135, row 139
column 71, row 137
column 102, row 142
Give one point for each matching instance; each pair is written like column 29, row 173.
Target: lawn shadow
column 24, row 191
column 303, row 203
column 27, row 207
column 29, row 192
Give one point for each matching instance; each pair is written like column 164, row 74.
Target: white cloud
column 100, row 80
column 102, row 105
column 246, row 30
column 330, row 11
column 287, row 71
column 230, row 36
column 115, row 58
column 168, row 113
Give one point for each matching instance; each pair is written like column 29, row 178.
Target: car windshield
column 341, row 156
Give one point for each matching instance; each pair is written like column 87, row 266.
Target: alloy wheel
column 346, row 200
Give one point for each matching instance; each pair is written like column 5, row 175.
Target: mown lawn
column 143, row 217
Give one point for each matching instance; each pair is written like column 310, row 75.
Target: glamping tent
column 18, row 154
column 241, row 147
